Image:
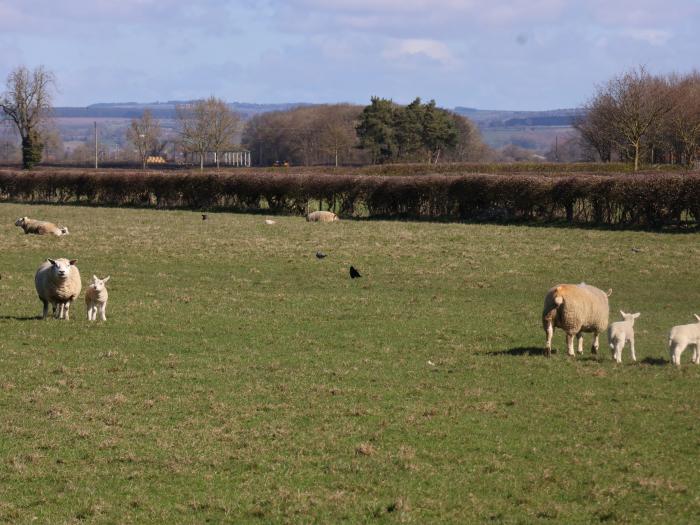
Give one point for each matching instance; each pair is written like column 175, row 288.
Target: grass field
column 240, row 379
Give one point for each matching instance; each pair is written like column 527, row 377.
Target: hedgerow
column 650, row 200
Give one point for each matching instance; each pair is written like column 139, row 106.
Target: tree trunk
column 201, row 161
column 636, row 156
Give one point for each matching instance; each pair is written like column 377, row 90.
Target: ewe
column 575, row 308
column 96, row 298
column 58, row 282
column 40, row 227
column 682, row 336
column 619, row 333
column 321, row 216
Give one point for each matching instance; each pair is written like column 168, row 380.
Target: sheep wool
column 58, row 282
column 321, row 216
column 575, row 308
column 40, row 227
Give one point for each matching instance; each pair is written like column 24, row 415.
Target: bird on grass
column 204, row 216
column 354, row 274
column 321, row 255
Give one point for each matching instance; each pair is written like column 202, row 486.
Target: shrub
column 656, row 200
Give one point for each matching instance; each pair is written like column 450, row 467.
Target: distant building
column 226, row 158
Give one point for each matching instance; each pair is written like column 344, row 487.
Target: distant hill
column 161, row 110
column 504, row 118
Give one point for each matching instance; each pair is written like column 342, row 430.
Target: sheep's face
column 99, row 284
column 21, row 221
column 61, row 267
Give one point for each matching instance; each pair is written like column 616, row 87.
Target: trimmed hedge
column 647, row 200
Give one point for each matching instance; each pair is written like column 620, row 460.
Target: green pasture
column 239, row 379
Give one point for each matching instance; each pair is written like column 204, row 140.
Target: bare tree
column 207, row 126
column 683, row 121
column 638, row 102
column 27, row 103
column 144, row 134
column 596, row 127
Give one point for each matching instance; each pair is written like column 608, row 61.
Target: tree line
column 640, row 117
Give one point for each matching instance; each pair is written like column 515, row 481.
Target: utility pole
column 95, row 144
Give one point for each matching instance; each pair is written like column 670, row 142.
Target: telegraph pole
column 95, row 144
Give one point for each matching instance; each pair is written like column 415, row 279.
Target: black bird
column 204, row 216
column 354, row 273
column 320, row 255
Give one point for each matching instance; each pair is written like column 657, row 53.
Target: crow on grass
column 354, row 274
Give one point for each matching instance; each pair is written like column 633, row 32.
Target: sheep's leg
column 570, row 344
column 46, row 309
column 676, row 351
column 579, row 339
column 549, row 330
column 596, row 343
column 696, row 355
column 102, row 308
column 634, row 356
column 57, row 310
column 66, row 311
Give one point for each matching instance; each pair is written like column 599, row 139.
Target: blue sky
column 518, row 54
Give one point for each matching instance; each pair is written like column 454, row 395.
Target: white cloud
column 421, row 48
column 655, row 37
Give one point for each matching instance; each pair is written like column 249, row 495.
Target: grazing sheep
column 96, row 298
column 682, row 336
column 575, row 308
column 619, row 333
column 40, row 227
column 58, row 282
column 321, row 216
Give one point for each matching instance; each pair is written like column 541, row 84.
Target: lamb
column 40, row 227
column 96, row 298
column 321, row 216
column 575, row 308
column 58, row 282
column 619, row 333
column 682, row 336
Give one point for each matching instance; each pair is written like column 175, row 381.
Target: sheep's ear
column 53, row 263
column 623, row 313
column 73, row 261
column 94, row 277
column 697, row 317
column 634, row 316
column 105, row 279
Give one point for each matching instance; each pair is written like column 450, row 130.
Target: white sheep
column 619, row 333
column 57, row 282
column 321, row 216
column 96, row 298
column 682, row 336
column 575, row 308
column 40, row 227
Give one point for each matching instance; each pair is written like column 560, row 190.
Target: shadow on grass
column 654, row 361
column 521, row 350
column 17, row 318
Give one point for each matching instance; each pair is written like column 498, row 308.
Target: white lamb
column 96, row 298
column 619, row 333
column 57, row 282
column 321, row 216
column 682, row 336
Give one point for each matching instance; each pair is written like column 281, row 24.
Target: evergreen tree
column 409, row 129
column 439, row 131
column 376, row 129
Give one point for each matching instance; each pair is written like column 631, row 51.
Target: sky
column 495, row 54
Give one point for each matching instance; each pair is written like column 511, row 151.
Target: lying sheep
column 575, row 308
column 58, row 282
column 96, row 298
column 321, row 216
column 619, row 333
column 682, row 336
column 40, row 227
